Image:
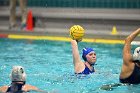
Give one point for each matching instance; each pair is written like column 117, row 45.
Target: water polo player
column 18, row 82
column 130, row 72
column 89, row 55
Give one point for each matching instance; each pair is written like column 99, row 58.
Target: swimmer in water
column 130, row 72
column 89, row 56
column 18, row 84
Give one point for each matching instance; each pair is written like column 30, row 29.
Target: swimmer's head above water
column 91, row 53
column 18, row 74
column 136, row 55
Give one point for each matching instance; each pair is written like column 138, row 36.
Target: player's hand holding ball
column 77, row 32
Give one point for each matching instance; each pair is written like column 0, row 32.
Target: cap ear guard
column 84, row 58
column 136, row 55
column 18, row 74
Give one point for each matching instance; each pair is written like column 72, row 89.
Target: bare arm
column 3, row 89
column 33, row 88
column 76, row 57
column 127, row 57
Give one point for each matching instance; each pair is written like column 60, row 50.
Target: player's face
column 91, row 57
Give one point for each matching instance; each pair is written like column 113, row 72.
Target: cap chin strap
column 136, row 61
column 18, row 81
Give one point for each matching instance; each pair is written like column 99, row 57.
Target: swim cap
column 18, row 74
column 85, row 52
column 136, row 55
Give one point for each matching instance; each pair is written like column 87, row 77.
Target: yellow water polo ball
column 77, row 32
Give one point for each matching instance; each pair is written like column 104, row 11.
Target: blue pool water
column 49, row 66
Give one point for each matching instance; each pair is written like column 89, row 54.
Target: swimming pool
column 49, row 66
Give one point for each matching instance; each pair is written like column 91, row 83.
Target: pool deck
column 55, row 22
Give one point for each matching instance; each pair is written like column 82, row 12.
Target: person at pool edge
column 89, row 56
column 130, row 72
column 18, row 84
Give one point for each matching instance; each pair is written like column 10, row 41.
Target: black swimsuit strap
column 8, row 90
column 19, row 90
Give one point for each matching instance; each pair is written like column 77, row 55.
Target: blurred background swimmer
column 89, row 55
column 18, row 84
column 130, row 72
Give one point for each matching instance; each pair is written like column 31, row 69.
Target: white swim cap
column 18, row 74
column 136, row 55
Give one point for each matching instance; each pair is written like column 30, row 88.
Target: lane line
column 56, row 38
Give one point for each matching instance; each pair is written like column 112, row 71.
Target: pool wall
column 101, row 25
